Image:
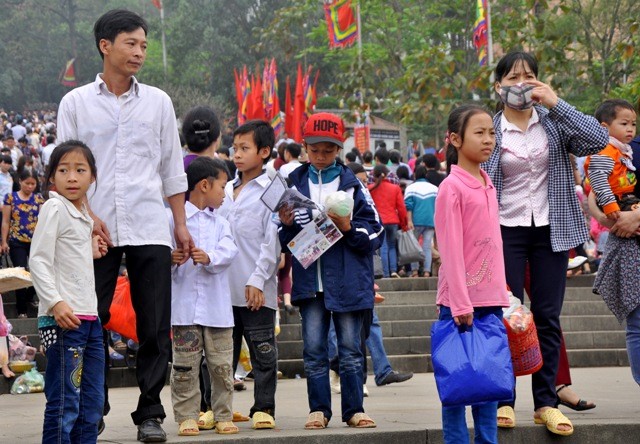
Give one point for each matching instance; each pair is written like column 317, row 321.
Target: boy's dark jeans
column 258, row 329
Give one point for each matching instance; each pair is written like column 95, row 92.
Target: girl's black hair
column 457, row 123
column 421, row 172
column 62, row 150
column 506, row 63
column 200, row 128
column 205, row 168
column 28, row 174
column 114, row 22
column 356, row 168
column 380, row 173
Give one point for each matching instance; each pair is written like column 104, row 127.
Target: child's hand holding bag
column 472, row 365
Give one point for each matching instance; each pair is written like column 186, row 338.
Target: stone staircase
column 593, row 336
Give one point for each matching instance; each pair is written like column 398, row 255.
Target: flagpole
column 360, row 52
column 164, row 46
column 490, row 44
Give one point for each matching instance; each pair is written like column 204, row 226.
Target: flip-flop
column 315, row 421
column 506, row 412
column 552, row 418
column 356, row 421
column 262, row 420
column 226, row 428
column 206, row 421
column 239, row 417
column 188, row 427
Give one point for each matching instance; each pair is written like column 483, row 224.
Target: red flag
column 257, row 105
column 157, row 4
column 236, row 80
column 341, row 23
column 288, row 111
column 298, row 109
column 69, row 75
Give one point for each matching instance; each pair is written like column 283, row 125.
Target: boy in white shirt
column 201, row 312
column 253, row 280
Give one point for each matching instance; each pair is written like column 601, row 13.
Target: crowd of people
column 207, row 261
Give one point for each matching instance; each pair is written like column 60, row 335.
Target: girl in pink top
column 472, row 279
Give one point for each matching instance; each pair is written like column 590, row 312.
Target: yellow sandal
column 226, row 428
column 262, row 420
column 552, row 418
column 188, row 427
column 506, row 412
column 206, row 421
column 357, row 421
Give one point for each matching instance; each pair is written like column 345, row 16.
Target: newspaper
column 314, row 240
column 277, row 194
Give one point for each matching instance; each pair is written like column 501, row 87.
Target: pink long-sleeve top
column 468, row 230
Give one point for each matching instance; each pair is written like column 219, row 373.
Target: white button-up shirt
column 61, row 261
column 134, row 139
column 256, row 236
column 200, row 293
column 525, row 167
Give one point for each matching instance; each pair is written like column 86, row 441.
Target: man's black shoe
column 395, row 376
column 151, row 431
column 101, row 426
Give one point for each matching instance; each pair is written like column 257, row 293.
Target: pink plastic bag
column 5, row 326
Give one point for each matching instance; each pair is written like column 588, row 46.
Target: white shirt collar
column 508, row 126
column 70, row 206
column 101, row 85
column 191, row 210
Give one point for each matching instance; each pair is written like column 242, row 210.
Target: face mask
column 517, row 97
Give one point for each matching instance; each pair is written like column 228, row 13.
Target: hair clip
column 201, row 131
column 447, row 138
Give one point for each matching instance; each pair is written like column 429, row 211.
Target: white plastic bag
column 339, row 203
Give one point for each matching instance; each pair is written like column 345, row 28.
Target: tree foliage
column 417, row 57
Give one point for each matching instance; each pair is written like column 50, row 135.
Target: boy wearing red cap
column 339, row 284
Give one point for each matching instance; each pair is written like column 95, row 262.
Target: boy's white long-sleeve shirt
column 200, row 293
column 61, row 260
column 256, row 236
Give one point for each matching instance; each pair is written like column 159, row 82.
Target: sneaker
column 395, row 275
column 395, row 376
column 334, row 380
column 22, row 316
column 576, row 262
column 365, row 391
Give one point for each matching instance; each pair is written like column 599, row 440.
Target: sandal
column 206, row 421
column 238, row 385
column 188, row 427
column 239, row 417
column 226, row 428
column 580, row 406
column 316, row 421
column 506, row 412
column 120, row 346
column 552, row 418
column 415, row 274
column 361, row 421
column 262, row 420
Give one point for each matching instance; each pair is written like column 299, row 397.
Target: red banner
column 362, row 136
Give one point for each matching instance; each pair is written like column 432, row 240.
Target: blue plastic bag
column 472, row 365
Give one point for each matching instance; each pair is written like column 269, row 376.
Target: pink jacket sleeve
column 449, row 229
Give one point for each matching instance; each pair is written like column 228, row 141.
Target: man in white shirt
column 47, row 150
column 131, row 129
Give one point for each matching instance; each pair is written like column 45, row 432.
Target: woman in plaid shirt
column 539, row 214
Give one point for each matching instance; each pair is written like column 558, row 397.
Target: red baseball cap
column 324, row 127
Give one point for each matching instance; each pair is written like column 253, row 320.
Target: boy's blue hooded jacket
column 347, row 267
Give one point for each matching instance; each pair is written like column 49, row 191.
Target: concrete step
column 598, row 358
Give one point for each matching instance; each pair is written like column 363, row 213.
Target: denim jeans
column 315, row 328
column 485, row 416
column 73, row 385
column 258, row 329
column 381, row 365
column 427, row 237
column 633, row 343
column 388, row 251
column 189, row 341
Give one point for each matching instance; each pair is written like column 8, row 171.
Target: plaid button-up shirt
column 568, row 131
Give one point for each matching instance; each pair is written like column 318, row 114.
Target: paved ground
column 406, row 413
